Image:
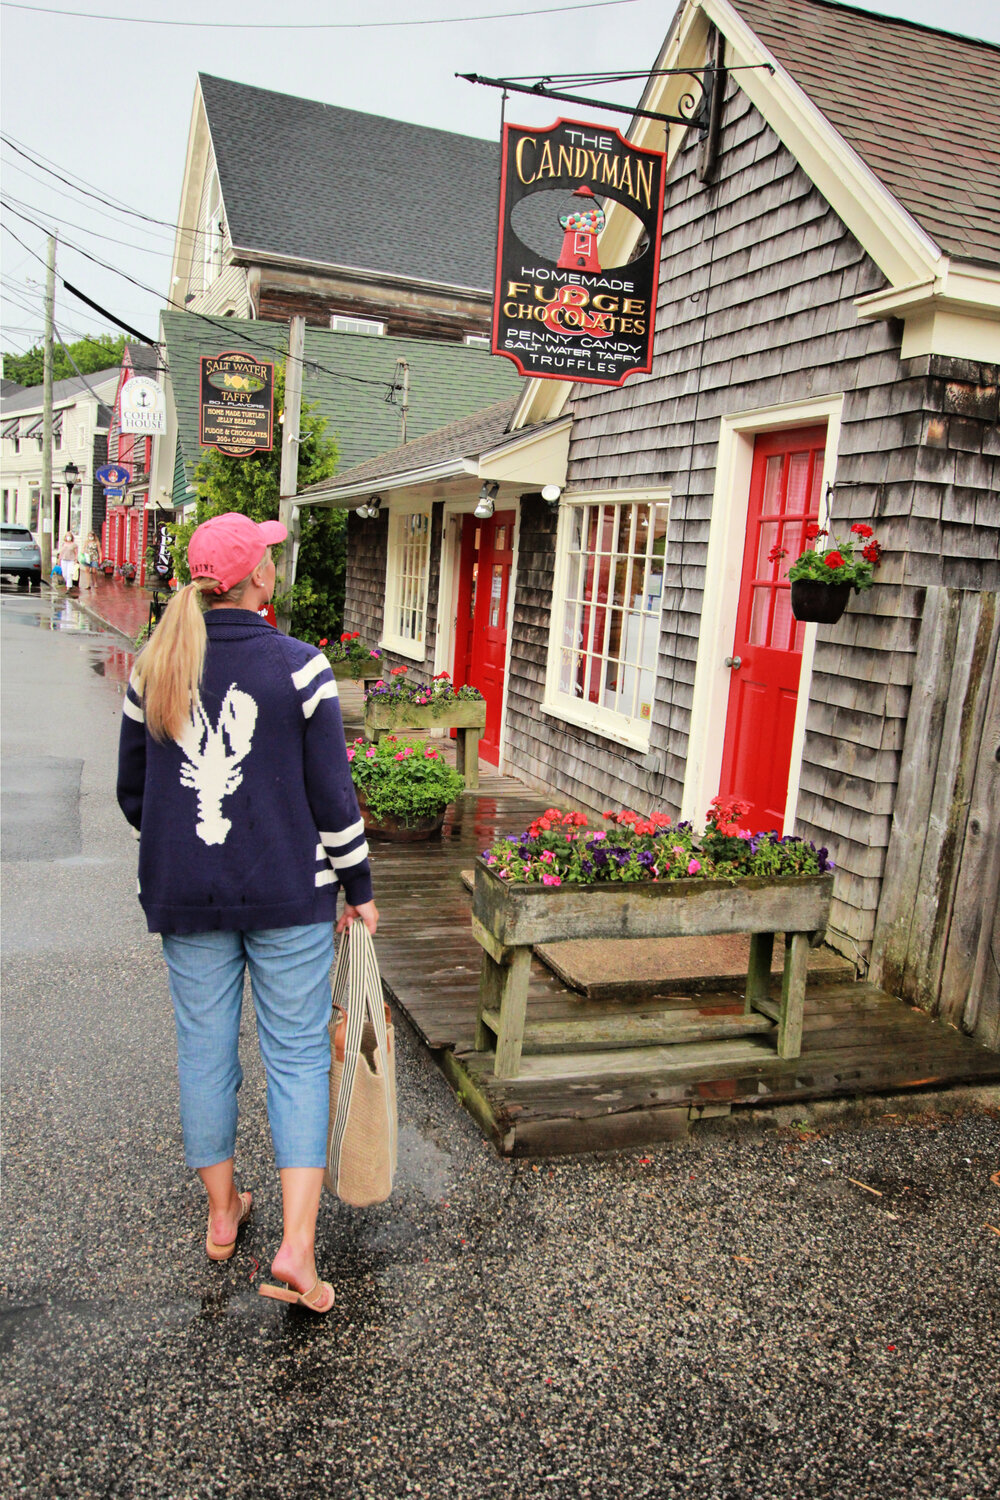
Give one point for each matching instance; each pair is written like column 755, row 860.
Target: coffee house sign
column 559, row 311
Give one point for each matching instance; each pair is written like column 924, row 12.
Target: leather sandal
column 318, row 1293
column 226, row 1252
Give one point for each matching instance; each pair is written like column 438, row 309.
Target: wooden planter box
column 508, row 920
column 343, row 671
column 468, row 718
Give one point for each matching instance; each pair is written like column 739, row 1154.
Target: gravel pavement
column 725, row 1318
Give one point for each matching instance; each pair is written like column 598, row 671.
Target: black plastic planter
column 823, row 603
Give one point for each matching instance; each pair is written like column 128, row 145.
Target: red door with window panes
column 481, row 628
column 785, row 485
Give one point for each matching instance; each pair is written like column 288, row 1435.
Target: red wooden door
column 481, row 631
column 784, row 497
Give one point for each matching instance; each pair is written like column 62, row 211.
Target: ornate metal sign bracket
column 695, row 111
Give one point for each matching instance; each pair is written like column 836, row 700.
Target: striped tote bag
column 361, row 1143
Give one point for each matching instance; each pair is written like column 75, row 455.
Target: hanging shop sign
column 113, row 478
column 237, row 403
column 558, row 311
column 142, row 406
column 164, row 562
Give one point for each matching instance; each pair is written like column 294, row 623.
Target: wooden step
column 666, row 1029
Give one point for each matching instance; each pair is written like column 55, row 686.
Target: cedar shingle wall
column 756, row 309
column 367, row 544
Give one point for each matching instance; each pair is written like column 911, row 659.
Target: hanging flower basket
column 822, row 603
column 823, row 575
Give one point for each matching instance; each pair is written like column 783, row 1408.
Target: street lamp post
column 71, row 474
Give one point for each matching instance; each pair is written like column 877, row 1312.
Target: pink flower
column 694, row 866
column 551, row 880
column 399, row 755
column 351, row 754
column 547, row 856
column 371, row 754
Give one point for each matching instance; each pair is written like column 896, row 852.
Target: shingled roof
column 465, row 438
column 920, row 107
column 334, row 186
column 346, row 377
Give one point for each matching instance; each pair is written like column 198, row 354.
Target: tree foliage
column 251, row 486
column 100, row 352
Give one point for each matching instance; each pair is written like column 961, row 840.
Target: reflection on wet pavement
column 49, row 611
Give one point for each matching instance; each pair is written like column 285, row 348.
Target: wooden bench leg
column 759, row 969
column 467, row 756
column 793, row 994
column 504, row 987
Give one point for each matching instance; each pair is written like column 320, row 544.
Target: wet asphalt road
column 728, row 1318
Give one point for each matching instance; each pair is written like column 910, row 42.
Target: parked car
column 20, row 555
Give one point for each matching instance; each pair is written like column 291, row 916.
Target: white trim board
column 723, row 567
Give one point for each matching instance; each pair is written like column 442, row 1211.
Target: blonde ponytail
column 168, row 669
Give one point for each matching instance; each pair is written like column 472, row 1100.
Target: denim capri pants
column 290, row 980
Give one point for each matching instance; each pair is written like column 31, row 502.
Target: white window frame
column 477, row 340
column 213, row 238
column 366, row 327
column 406, row 578
column 631, row 730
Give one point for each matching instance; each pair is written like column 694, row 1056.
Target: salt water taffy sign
column 558, row 311
column 236, row 405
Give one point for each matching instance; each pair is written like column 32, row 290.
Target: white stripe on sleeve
column 345, row 861
column 312, row 668
column 133, row 711
column 337, row 840
column 325, row 877
column 325, row 690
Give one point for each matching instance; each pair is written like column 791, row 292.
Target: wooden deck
column 856, row 1040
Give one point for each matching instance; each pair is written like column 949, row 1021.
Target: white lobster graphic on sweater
column 214, row 753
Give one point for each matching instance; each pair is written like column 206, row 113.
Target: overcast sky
column 108, row 103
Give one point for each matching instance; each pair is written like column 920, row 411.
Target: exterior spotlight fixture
column 551, row 493
column 487, row 498
column 369, row 510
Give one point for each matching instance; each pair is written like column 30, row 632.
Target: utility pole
column 402, row 369
column 45, row 507
column 288, row 511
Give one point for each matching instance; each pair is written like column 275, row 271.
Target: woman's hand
column 367, row 911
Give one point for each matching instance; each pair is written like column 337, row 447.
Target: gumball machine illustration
column 579, row 247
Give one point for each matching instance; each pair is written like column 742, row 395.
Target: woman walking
column 68, row 559
column 233, row 767
column 90, row 560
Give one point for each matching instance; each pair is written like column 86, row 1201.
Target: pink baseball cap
column 229, row 547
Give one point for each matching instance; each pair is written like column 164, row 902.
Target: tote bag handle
column 357, row 990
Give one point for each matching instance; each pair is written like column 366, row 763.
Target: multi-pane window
column 406, row 581
column 607, row 624
column 341, row 323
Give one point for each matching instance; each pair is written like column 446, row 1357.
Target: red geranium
column 813, row 530
column 860, row 529
column 834, row 560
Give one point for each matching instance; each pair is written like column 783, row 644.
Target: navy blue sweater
column 250, row 820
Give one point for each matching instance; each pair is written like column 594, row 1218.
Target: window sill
column 633, row 739
column 403, row 648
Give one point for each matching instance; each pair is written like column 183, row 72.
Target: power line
column 497, row 15
column 82, row 228
column 218, row 324
column 73, row 196
column 118, row 207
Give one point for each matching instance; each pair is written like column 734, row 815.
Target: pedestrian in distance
column 69, row 560
column 90, row 560
column 233, row 767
